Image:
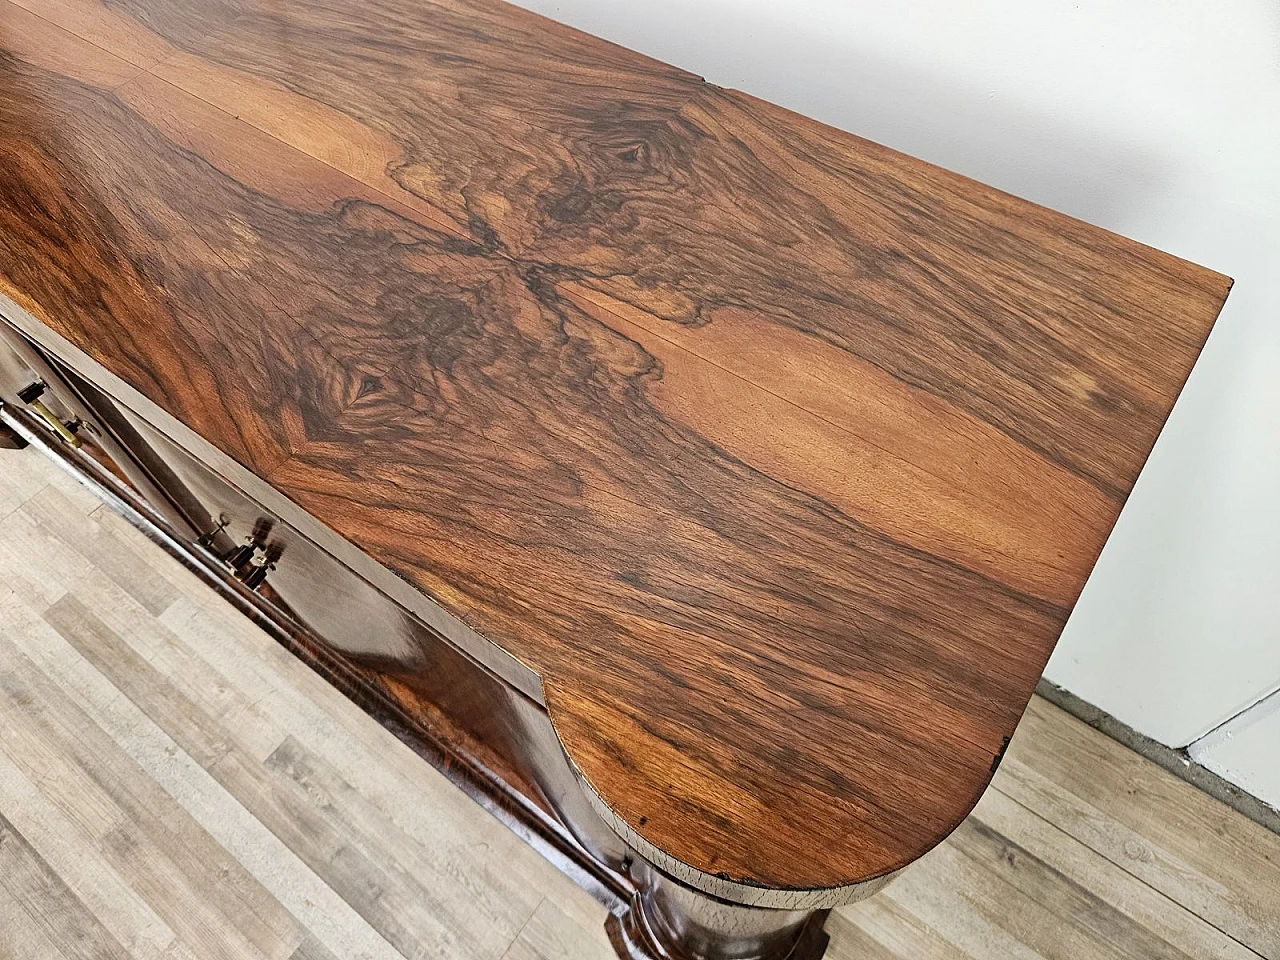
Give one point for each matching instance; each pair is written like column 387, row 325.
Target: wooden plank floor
column 174, row 786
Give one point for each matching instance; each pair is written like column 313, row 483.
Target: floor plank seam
column 1136, row 877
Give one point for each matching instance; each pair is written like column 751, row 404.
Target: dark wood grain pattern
column 779, row 456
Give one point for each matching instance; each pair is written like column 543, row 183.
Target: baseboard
column 1176, row 761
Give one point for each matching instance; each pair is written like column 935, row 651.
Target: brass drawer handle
column 30, row 395
column 130, row 505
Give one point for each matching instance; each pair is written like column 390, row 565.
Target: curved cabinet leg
column 669, row 921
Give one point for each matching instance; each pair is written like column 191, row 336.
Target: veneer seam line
column 396, row 207
column 571, row 277
column 83, row 39
column 819, row 417
column 441, row 222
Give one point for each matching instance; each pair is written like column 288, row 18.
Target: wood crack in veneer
column 766, row 462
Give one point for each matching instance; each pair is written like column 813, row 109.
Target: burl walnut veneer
column 750, row 468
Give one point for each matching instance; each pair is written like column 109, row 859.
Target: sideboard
column 700, row 488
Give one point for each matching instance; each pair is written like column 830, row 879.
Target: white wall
column 1159, row 119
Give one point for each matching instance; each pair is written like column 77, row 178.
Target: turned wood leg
column 669, row 921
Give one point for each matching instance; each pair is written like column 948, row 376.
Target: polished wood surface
column 779, row 456
column 141, row 718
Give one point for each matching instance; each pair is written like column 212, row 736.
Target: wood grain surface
column 779, row 456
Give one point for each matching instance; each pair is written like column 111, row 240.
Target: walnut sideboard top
column 780, row 457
